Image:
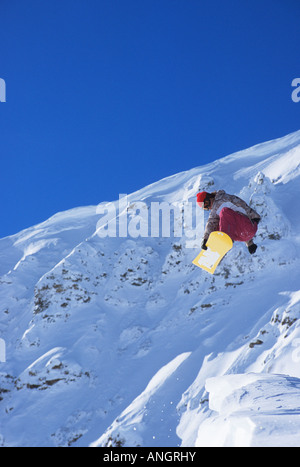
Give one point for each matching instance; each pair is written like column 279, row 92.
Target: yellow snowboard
column 218, row 244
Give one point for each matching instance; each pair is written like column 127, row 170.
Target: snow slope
column 122, row 341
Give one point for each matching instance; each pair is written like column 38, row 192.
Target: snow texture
column 124, row 342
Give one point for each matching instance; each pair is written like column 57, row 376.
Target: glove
column 203, row 246
column 252, row 248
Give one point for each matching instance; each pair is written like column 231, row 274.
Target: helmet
column 201, row 198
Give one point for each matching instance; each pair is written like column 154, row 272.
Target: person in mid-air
column 231, row 215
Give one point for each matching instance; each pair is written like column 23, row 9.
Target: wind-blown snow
column 122, row 341
column 252, row 410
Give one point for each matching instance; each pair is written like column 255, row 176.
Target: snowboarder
column 229, row 214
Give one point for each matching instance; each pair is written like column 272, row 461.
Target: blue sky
column 107, row 96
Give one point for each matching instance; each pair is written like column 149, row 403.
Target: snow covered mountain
column 122, row 341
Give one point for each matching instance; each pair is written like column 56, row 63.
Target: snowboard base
column 218, row 244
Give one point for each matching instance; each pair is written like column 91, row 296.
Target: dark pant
column 238, row 226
